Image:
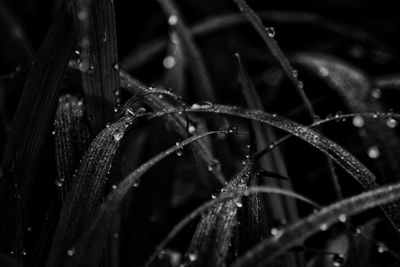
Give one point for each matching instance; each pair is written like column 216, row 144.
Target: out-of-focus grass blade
column 205, row 88
column 277, row 208
column 87, row 248
column 86, row 190
column 212, row 238
column 175, row 66
column 294, row 234
column 95, row 24
column 220, row 22
column 338, row 154
column 356, row 90
column 71, row 139
column 32, row 122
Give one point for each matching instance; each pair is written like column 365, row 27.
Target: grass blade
column 220, row 199
column 338, row 154
column 353, row 86
column 33, row 121
column 88, row 246
column 278, row 208
column 86, row 190
column 95, row 25
column 71, row 139
column 269, row 249
column 212, row 238
column 198, row 68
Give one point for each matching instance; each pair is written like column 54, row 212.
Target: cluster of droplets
column 179, row 151
column 270, row 31
column 338, row 259
column 117, row 99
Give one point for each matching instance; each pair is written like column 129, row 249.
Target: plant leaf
column 71, row 139
column 294, row 234
column 95, row 25
column 86, row 190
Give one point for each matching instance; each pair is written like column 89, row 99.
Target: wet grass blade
column 213, row 236
column 266, row 251
column 177, row 122
column 71, row 139
column 33, row 118
column 87, row 248
column 86, row 190
column 193, row 55
column 356, row 90
column 221, row 199
column 277, row 208
column 95, row 25
column 338, row 154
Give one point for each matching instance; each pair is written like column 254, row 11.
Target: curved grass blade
column 220, row 199
column 91, row 242
column 269, row 249
column 198, row 68
column 95, row 25
column 267, row 34
column 277, row 208
column 214, row 24
column 353, row 86
column 178, row 123
column 71, row 139
column 31, row 124
column 86, row 190
column 211, row 241
column 342, row 157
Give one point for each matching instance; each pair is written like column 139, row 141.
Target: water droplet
column 179, row 153
column 58, row 183
column 373, row 152
column 83, row 66
column 338, row 259
column 342, row 218
column 23, row 252
column 323, row 72
column 213, row 196
column 382, row 248
column 191, row 129
column 77, row 52
column 375, row 116
column 71, row 252
column 276, row 233
column 295, row 73
column 116, row 66
column 192, row 257
column 323, row 227
column 358, row 121
column 53, row 132
column 270, row 31
column 169, row 62
column 160, row 96
column 114, row 187
column 239, row 204
column 116, row 235
column 391, row 123
column 136, row 183
column 118, row 135
column 172, row 20
column 105, row 37
column 376, row 93
column 29, row 229
column 233, row 130
column 83, row 14
column 202, row 105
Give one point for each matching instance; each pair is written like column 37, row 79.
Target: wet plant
column 172, row 133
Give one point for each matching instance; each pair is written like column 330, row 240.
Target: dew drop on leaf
column 323, row 227
column 373, row 152
column 338, row 260
column 192, row 257
column 239, row 204
column 381, row 247
column 358, row 121
column 391, row 123
column 270, row 31
column 376, row 93
column 172, row 20
column 71, row 252
column 342, row 218
column 169, row 62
